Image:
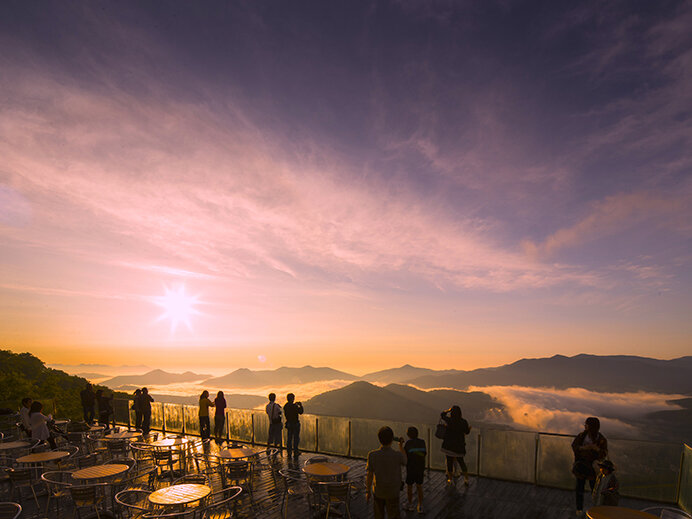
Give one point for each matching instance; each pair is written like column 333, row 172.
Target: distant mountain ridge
column 154, row 377
column 246, row 378
column 611, row 373
column 400, row 403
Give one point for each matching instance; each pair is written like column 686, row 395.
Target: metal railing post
column 252, row 426
column 535, row 459
column 478, row 457
column 317, row 435
column 349, row 438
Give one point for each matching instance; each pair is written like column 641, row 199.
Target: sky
column 353, row 184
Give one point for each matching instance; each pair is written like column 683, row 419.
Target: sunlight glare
column 178, row 307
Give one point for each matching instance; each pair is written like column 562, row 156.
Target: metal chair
column 133, row 503
column 23, row 478
column 218, row 503
column 294, row 485
column 10, row 510
column 667, row 512
column 88, row 496
column 337, row 493
column 199, row 479
column 57, row 483
column 117, row 448
column 238, row 473
column 316, row 459
column 87, row 460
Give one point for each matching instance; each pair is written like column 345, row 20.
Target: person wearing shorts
column 415, row 467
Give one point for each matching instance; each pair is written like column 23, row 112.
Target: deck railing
column 656, row 471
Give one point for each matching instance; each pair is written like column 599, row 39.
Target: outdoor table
column 617, row 512
column 100, row 471
column 61, row 422
column 7, row 446
column 42, row 457
column 177, row 495
column 235, row 453
column 170, row 442
column 124, row 435
column 326, row 470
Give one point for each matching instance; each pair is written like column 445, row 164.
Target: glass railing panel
column 191, row 416
column 239, row 424
column 646, row 470
column 308, row 432
column 508, row 455
column 157, row 416
column 333, row 435
column 555, row 459
column 133, row 416
column 685, row 498
column 261, row 426
column 173, row 416
column 437, row 458
column 364, row 434
column 121, row 411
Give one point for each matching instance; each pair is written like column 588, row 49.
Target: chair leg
column 38, row 507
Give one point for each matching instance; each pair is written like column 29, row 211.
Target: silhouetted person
column 415, row 467
column 291, row 412
column 137, row 408
column 88, row 400
column 24, row 415
column 145, row 402
column 454, row 443
column 105, row 408
column 219, row 416
column 384, row 467
column 588, row 446
column 204, row 405
column 39, row 424
column 607, row 489
column 274, row 413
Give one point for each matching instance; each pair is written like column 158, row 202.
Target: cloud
column 564, row 411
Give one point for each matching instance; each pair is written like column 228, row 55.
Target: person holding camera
column 291, row 412
column 384, row 468
column 454, row 443
column 274, row 413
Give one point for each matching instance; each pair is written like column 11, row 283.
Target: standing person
column 588, row 446
column 105, row 408
column 454, row 443
column 204, row 405
column 384, row 467
column 291, row 412
column 219, row 416
column 88, row 400
column 606, row 492
column 145, row 403
column 274, row 413
column 415, row 467
column 137, row 408
column 24, row 415
column 39, row 424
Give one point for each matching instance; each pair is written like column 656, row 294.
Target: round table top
column 100, row 471
column 326, row 469
column 39, row 457
column 240, row 452
column 179, row 494
column 169, row 442
column 13, row 445
column 124, row 435
column 617, row 512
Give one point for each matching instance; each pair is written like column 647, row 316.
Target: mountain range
column 614, row 373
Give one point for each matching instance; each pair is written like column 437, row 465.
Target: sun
column 178, row 307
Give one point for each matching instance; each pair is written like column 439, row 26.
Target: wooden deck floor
column 483, row 499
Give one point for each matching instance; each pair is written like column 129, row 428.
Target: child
column 415, row 467
column 605, row 491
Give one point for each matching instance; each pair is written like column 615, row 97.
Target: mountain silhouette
column 245, row 378
column 154, row 377
column 399, row 403
column 396, row 375
column 612, row 373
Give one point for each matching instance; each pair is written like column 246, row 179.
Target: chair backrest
column 316, row 459
column 88, row 460
column 199, row 479
column 340, row 490
column 133, row 501
column 57, row 477
column 219, row 500
column 669, row 513
column 10, row 510
column 86, row 495
column 237, row 469
column 20, row 475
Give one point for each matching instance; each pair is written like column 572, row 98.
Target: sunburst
column 178, row 307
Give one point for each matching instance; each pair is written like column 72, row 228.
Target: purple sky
column 451, row 184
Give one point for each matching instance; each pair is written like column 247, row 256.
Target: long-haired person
column 588, row 446
column 219, row 416
column 204, row 405
column 39, row 424
column 454, row 443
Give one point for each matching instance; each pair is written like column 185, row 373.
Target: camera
column 398, row 439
